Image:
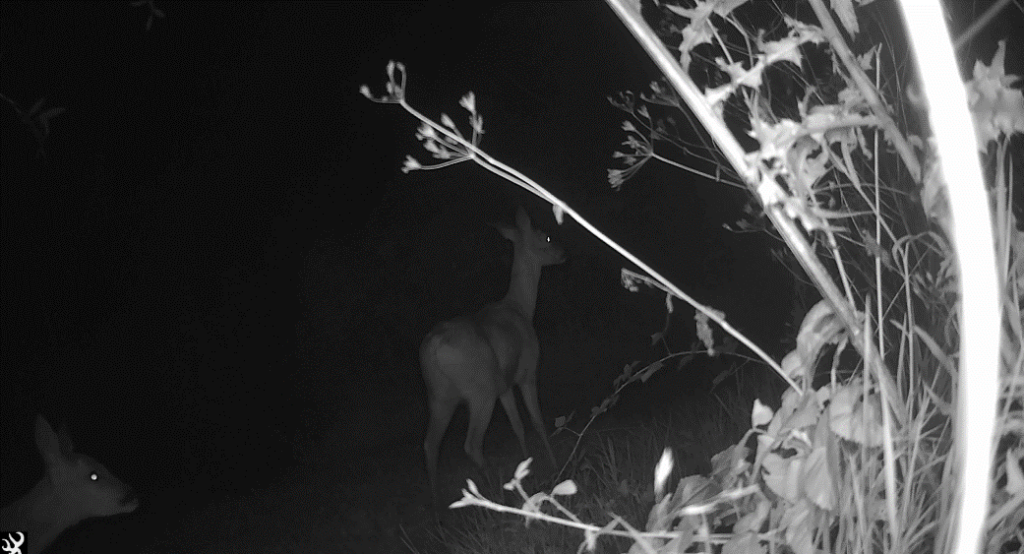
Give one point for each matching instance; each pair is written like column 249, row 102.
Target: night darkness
column 216, row 274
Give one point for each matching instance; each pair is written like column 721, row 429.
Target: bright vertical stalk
column 972, row 235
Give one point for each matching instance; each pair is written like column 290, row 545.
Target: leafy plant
column 870, row 460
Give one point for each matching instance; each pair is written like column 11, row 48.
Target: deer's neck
column 40, row 515
column 522, row 286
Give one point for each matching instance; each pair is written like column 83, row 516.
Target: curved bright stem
column 974, row 242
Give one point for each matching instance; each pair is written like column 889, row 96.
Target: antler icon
column 13, row 546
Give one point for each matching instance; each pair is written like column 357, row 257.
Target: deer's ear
column 523, row 219
column 64, row 439
column 49, row 443
column 505, row 230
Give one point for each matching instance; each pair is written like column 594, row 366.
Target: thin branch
column 980, row 23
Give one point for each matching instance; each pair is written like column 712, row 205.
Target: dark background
column 215, row 266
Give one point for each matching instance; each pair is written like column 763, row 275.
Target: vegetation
column 864, row 450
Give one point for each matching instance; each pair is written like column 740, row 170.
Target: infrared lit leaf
column 726, row 7
column 761, row 414
column 699, row 31
column 854, row 417
column 997, row 108
column 844, row 9
column 785, row 50
column 867, row 60
column 741, row 75
column 743, row 543
column 532, row 506
column 806, row 414
column 806, row 33
column 591, row 537
column 410, row 164
column 662, row 471
column 817, row 480
column 704, row 332
column 753, row 520
column 523, row 469
column 799, row 523
column 1014, row 475
column 651, row 370
column 447, row 121
column 469, row 102
column 565, row 488
column 782, row 475
column 477, row 121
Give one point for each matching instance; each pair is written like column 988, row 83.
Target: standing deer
column 476, row 359
column 74, row 487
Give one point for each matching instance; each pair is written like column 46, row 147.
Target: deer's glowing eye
column 94, row 476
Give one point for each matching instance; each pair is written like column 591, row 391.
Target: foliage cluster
column 863, row 455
